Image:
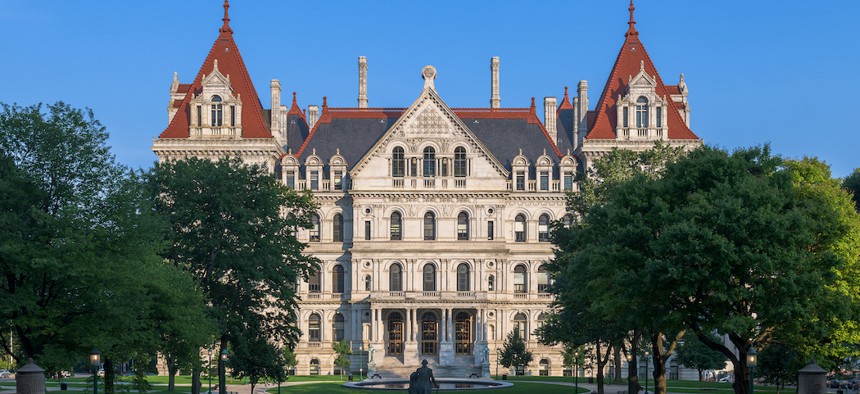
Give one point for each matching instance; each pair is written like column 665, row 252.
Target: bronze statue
column 420, row 380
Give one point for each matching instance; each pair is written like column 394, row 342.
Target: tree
column 692, row 353
column 232, row 226
column 514, row 352
column 739, row 244
column 852, row 183
column 778, row 364
column 342, row 350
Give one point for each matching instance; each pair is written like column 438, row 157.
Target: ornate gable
column 430, row 123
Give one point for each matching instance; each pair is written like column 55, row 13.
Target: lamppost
column 222, row 369
column 752, row 359
column 209, row 369
column 576, row 371
column 632, row 381
column 95, row 361
column 498, row 352
column 646, row 370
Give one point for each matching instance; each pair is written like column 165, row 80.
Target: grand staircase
column 463, row 368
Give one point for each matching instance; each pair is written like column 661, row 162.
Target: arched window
column 337, row 228
column 520, row 228
column 314, row 328
column 337, row 327
column 315, row 228
column 395, row 277
column 429, row 162
column 314, row 283
column 642, row 112
column 463, row 226
column 217, row 111
column 459, row 161
column 315, row 366
column 429, row 226
column 337, row 279
column 398, row 163
column 567, row 220
column 396, row 226
column 520, row 277
column 491, row 283
column 463, row 277
column 521, row 324
column 368, row 282
column 543, row 280
column 543, row 228
column 429, row 277
column 541, row 319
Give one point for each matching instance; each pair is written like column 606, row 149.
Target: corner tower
column 636, row 109
column 219, row 114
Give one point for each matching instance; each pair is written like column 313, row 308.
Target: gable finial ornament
column 429, row 76
column 641, row 66
column 226, row 27
column 631, row 31
column 215, row 65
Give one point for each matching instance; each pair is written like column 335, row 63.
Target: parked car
column 5, row 374
column 101, row 371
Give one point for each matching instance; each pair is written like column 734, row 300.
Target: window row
column 395, row 227
column 429, row 278
column 641, row 111
column 216, row 112
column 430, row 165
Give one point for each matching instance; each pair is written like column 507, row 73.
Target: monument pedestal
column 446, row 353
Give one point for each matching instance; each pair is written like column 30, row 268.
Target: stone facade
column 433, row 222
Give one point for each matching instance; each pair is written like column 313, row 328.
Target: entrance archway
column 463, row 334
column 395, row 333
column 429, row 334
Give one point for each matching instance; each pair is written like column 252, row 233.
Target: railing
column 460, row 183
column 396, row 294
column 430, row 183
column 314, row 344
column 314, row 296
column 398, row 183
column 336, row 296
column 521, row 296
column 466, row 294
column 431, row 294
column 544, row 295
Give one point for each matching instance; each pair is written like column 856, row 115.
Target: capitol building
column 433, row 225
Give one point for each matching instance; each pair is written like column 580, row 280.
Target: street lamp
column 209, row 369
column 222, row 369
column 95, row 362
column 646, row 371
column 752, row 359
column 576, row 371
column 632, row 381
column 498, row 352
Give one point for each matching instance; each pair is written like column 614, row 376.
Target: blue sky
column 769, row 71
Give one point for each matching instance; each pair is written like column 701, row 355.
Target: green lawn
column 337, row 388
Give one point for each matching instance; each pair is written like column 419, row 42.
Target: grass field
column 337, row 388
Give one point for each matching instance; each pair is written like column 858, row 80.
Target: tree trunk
column 171, row 372
column 109, row 376
column 617, row 365
column 632, row 367
column 195, row 380
column 701, row 375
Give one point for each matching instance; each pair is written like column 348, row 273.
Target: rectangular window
column 521, row 181
column 625, row 116
column 544, row 181
column 291, row 179
column 568, row 181
column 233, row 116
column 413, row 168
column 491, row 232
column 338, row 175
column 199, row 115
column 367, row 230
column 659, row 116
column 315, row 180
column 444, row 167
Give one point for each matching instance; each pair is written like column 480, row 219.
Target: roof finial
column 565, row 93
column 226, row 27
column 532, row 108
column 325, row 103
column 631, row 31
column 294, row 98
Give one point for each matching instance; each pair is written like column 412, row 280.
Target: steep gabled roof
column 230, row 63
column 627, row 65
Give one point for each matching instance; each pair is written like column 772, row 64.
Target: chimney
column 580, row 121
column 550, row 106
column 362, row 82
column 275, row 121
column 313, row 115
column 495, row 99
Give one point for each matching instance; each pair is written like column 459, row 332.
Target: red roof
column 627, row 65
column 673, row 89
column 565, row 102
column 229, row 63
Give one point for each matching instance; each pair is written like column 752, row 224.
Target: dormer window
column 217, row 111
column 642, row 112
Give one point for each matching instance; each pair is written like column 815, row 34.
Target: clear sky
column 763, row 71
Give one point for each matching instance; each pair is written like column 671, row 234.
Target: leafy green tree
column 514, row 352
column 342, row 350
column 692, row 353
column 734, row 243
column 778, row 364
column 232, row 226
column 76, row 240
column 852, row 183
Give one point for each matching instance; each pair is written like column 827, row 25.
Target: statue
column 370, row 354
column 420, row 380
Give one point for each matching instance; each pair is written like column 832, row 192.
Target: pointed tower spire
column 226, row 27
column 631, row 31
